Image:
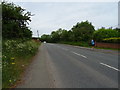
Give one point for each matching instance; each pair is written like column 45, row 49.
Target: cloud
column 51, row 16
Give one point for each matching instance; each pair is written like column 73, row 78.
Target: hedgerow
column 112, row 40
column 16, row 55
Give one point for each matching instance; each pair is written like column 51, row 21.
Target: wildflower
column 10, row 80
column 12, row 63
column 12, row 58
column 23, row 65
column 3, row 56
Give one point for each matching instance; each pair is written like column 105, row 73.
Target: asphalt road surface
column 65, row 66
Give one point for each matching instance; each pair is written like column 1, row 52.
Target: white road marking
column 79, row 54
column 110, row 66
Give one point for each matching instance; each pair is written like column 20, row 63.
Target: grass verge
column 83, row 44
column 16, row 56
column 107, row 48
column 86, row 44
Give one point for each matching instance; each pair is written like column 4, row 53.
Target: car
column 44, row 42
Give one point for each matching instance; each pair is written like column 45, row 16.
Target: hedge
column 112, row 40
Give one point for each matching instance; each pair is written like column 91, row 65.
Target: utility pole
column 38, row 33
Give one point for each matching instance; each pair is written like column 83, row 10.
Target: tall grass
column 16, row 56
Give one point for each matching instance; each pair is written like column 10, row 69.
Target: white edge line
column 110, row 66
column 79, row 54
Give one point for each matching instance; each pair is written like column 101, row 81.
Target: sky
column 50, row 16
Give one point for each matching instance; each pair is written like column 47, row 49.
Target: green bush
column 16, row 54
column 103, row 33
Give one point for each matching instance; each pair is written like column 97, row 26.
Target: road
column 65, row 66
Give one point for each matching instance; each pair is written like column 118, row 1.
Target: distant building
column 119, row 14
column 36, row 39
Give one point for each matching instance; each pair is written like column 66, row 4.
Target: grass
column 85, row 44
column 16, row 57
column 107, row 48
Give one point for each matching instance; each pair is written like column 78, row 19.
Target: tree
column 14, row 22
column 56, row 35
column 46, row 38
column 71, row 36
column 64, row 35
column 83, row 31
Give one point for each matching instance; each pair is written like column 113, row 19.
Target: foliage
column 46, row 38
column 80, row 32
column 65, row 35
column 15, row 56
column 14, row 21
column 112, row 40
column 83, row 31
column 17, row 46
column 55, row 36
column 59, row 35
column 102, row 33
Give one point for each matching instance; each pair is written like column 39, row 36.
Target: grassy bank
column 83, row 44
column 107, row 48
column 16, row 56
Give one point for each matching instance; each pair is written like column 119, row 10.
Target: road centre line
column 109, row 66
column 79, row 54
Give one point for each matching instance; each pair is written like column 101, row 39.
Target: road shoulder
column 37, row 74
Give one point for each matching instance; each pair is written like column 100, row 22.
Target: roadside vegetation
column 81, row 35
column 15, row 57
column 18, row 48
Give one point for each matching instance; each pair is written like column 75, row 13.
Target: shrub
column 15, row 54
column 103, row 33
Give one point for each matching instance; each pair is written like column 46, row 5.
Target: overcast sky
column 51, row 16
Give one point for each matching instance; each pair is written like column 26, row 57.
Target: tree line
column 15, row 20
column 83, row 31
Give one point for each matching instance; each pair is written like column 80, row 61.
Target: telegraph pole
column 38, row 33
